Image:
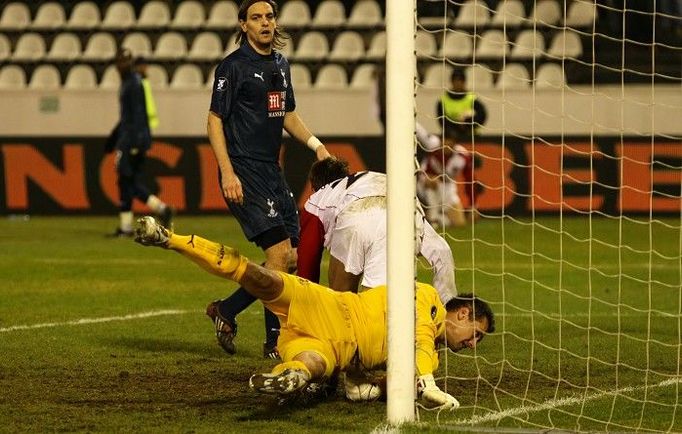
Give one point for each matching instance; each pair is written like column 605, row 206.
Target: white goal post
column 400, row 74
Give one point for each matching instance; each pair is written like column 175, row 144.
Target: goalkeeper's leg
column 291, row 376
column 216, row 258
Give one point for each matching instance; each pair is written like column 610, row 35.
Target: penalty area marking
column 84, row 321
column 560, row 402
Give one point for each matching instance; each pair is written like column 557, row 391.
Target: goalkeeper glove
column 427, row 390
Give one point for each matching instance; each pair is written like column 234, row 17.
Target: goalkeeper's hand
column 427, row 390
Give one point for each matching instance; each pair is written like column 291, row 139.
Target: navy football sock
column 233, row 305
column 271, row 327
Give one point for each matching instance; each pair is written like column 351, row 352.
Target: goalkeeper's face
column 462, row 331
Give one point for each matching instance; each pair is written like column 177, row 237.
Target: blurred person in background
column 252, row 102
column 462, row 115
column 131, row 139
column 141, row 65
column 439, row 169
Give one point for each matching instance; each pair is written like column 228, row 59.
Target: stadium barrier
column 613, row 176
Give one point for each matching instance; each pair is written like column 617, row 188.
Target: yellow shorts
column 313, row 318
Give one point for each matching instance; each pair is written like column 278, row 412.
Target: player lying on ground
column 324, row 331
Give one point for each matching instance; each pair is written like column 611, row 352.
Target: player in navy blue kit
column 252, row 102
column 132, row 139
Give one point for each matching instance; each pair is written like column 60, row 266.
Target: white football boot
column 150, row 233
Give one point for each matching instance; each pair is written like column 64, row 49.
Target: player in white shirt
column 348, row 218
column 436, row 185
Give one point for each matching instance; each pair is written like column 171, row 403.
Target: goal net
column 572, row 216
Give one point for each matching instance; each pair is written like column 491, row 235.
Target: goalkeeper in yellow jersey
column 325, row 331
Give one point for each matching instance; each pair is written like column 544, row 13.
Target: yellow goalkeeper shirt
column 351, row 322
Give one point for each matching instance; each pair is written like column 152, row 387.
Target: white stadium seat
column 550, row 76
column 457, row 45
column 510, row 13
column 207, row 46
column 294, row 14
column 100, row 47
column 329, row 14
column 364, row 76
column 425, row 44
column 478, row 78
column 154, row 15
column 582, row 13
column 437, row 75
column 348, row 46
column 12, row 77
column 81, row 77
column 5, row 48
column 138, row 43
column 170, row 46
column 15, row 16
column 528, row 44
column 492, row 45
column 50, row 16
column 85, row 15
column 473, row 13
column 513, row 76
column 157, row 76
column 187, row 76
column 377, row 47
column 190, row 14
column 111, row 79
column 30, row 48
column 65, row 47
column 300, row 77
column 365, row 14
column 566, row 44
column 546, row 13
column 223, row 15
column 120, row 15
column 312, row 46
column 45, row 77
column 331, row 77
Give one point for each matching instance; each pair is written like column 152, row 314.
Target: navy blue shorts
column 268, row 202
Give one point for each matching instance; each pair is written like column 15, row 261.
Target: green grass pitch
column 101, row 334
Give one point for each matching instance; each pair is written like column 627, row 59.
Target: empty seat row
column 189, row 14
column 119, row 15
column 511, row 13
column 329, row 77
column 512, row 76
column 494, row 44
column 47, row 77
column 186, row 76
column 348, row 46
column 102, row 46
column 206, row 46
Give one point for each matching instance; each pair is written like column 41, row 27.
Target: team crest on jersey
column 221, row 83
column 433, row 312
column 284, row 78
column 272, row 213
column 276, row 104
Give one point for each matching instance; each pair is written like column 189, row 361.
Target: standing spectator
column 252, row 102
column 132, row 139
column 462, row 115
column 152, row 115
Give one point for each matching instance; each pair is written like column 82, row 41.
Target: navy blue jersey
column 133, row 128
column 251, row 94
